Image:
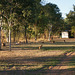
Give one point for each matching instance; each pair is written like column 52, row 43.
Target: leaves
column 30, row 13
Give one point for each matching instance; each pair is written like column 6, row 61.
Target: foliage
column 73, row 29
column 30, row 18
column 71, row 20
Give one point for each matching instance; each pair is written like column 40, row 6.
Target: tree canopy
column 30, row 18
column 71, row 20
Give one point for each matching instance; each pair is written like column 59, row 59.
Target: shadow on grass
column 72, row 61
column 38, row 72
column 35, row 61
column 58, row 48
column 71, row 69
column 46, row 61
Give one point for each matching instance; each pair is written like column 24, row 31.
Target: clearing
column 27, row 59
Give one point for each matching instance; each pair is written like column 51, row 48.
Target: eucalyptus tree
column 29, row 16
column 25, row 19
column 36, row 10
column 42, row 22
column 71, row 20
column 0, row 22
column 53, row 14
column 9, row 10
column 26, row 10
column 1, row 18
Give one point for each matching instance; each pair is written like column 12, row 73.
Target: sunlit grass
column 29, row 57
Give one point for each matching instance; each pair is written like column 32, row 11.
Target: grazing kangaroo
column 40, row 46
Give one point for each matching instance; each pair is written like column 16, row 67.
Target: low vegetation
column 29, row 57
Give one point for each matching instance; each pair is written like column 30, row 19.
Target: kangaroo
column 40, row 46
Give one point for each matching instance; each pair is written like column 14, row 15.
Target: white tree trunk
column 9, row 38
column 10, row 28
column 49, row 35
column 0, row 37
column 50, row 32
column 0, row 32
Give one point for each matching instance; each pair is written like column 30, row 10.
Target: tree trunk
column 10, row 23
column 35, row 32
column 14, row 39
column 0, row 38
column 9, row 38
column 0, row 32
column 26, row 34
column 50, row 33
column 35, row 37
column 18, row 37
column 44, row 36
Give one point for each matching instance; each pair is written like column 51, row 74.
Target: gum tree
column 71, row 20
column 53, row 14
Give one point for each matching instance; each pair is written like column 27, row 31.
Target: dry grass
column 29, row 57
column 29, row 53
column 26, row 59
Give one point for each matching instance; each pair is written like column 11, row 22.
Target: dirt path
column 62, row 68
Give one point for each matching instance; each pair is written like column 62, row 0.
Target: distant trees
column 71, row 20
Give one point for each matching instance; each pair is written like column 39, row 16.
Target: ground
column 26, row 59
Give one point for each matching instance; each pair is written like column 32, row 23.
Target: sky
column 64, row 5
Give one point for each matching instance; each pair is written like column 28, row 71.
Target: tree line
column 31, row 19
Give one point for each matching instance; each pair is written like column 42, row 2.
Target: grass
column 40, row 62
column 30, row 59
column 72, row 61
column 71, row 69
column 46, row 46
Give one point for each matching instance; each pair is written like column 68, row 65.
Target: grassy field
column 27, row 59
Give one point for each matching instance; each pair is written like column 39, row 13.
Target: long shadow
column 38, row 72
column 72, row 61
column 47, row 61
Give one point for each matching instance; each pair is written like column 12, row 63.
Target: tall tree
column 35, row 16
column 9, row 8
column 1, row 13
column 53, row 13
column 71, row 20
column 26, row 16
